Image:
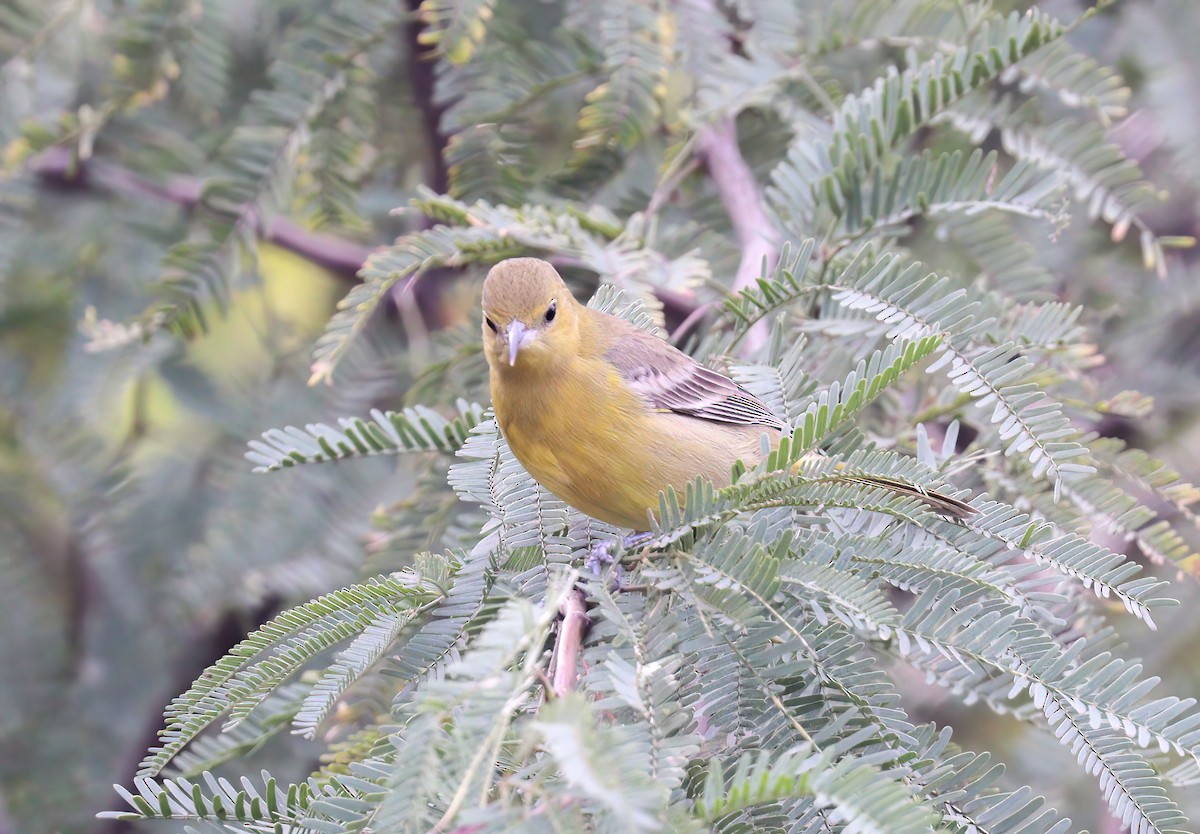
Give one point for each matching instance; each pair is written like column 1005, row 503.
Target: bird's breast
column 566, row 428
column 588, row 438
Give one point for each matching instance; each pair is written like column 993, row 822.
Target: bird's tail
column 939, row 502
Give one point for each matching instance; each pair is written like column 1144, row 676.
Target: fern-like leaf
column 241, row 681
column 258, row 162
column 868, row 126
column 455, row 27
column 417, row 429
column 626, row 102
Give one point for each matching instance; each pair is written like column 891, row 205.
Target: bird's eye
column 491, row 324
column 551, row 311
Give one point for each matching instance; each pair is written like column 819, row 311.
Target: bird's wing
column 670, row 380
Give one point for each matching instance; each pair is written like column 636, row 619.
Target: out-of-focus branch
column 419, row 70
column 743, row 200
column 341, row 256
column 424, row 295
column 57, row 165
column 568, row 645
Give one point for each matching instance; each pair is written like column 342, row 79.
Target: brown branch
column 419, row 72
column 58, row 165
column 689, row 323
column 739, row 192
column 678, row 307
column 568, row 644
column 425, row 297
column 684, row 164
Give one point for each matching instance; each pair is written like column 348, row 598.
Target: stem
column 419, row 67
column 57, row 165
column 568, row 644
column 739, row 192
column 680, row 167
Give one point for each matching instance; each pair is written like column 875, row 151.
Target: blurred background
column 135, row 545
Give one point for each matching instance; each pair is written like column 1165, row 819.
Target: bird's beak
column 518, row 337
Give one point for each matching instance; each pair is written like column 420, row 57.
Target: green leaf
column 417, row 429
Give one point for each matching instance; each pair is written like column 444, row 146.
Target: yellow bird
column 606, row 415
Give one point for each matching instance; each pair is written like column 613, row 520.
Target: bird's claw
column 600, row 553
column 606, row 552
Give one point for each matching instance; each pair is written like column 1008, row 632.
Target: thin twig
column 743, row 201
column 693, row 318
column 419, row 70
column 58, row 165
column 680, row 168
column 547, row 685
column 568, row 644
column 343, row 257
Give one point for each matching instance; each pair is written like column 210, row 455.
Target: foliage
column 935, row 168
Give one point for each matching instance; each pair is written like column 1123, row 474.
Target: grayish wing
column 670, row 380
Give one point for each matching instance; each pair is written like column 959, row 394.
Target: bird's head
column 529, row 315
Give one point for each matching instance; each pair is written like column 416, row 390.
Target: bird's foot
column 604, row 552
column 599, row 555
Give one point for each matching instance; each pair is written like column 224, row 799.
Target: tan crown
column 522, row 288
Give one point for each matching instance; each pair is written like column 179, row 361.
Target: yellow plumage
column 604, row 414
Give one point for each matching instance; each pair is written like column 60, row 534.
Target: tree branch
column 568, row 644
column 739, row 192
column 343, row 257
column 419, row 71
column 58, row 165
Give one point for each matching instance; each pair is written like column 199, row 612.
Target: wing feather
column 670, row 380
